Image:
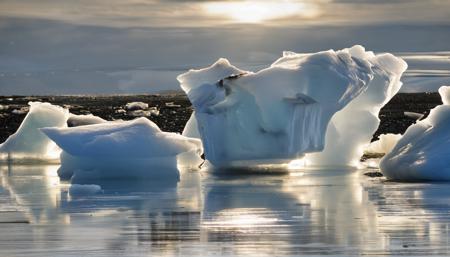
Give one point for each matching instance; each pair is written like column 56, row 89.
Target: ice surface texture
column 136, row 106
column 351, row 129
column 82, row 120
column 118, row 149
column 284, row 111
column 383, row 145
column 79, row 190
column 29, row 142
column 423, row 151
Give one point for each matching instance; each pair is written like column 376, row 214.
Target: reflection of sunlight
column 241, row 218
column 258, row 11
column 53, row 151
column 52, row 180
column 297, row 164
column 36, row 188
column 337, row 199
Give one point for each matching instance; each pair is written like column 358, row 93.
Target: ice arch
column 283, row 111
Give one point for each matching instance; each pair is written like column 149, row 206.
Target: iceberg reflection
column 301, row 212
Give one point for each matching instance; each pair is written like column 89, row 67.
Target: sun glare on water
column 258, row 11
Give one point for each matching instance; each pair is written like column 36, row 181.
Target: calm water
column 313, row 212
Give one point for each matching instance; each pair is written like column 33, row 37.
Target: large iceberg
column 29, row 142
column 284, row 111
column 120, row 149
column 423, row 151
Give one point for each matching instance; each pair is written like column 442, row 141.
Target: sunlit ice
column 258, row 12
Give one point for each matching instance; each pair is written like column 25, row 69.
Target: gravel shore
column 175, row 109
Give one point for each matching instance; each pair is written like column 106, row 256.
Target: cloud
column 53, row 57
column 153, row 13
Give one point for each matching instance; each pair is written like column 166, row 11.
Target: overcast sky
column 140, row 46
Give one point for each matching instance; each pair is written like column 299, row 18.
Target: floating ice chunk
column 21, row 111
column 3, row 107
column 120, row 111
column 144, row 113
column 351, row 129
column 136, row 106
column 383, row 145
column 414, row 115
column 118, row 149
column 172, row 105
column 29, row 142
column 422, row 153
column 78, row 190
column 82, row 120
column 280, row 112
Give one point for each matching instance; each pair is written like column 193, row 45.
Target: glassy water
column 314, row 212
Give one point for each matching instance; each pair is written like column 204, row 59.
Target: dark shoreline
column 174, row 118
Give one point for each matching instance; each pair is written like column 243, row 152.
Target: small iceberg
column 423, row 151
column 29, row 143
column 123, row 149
column 384, row 144
column 82, row 120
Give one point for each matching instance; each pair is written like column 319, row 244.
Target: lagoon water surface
column 312, row 212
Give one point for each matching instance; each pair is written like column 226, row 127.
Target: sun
column 257, row 11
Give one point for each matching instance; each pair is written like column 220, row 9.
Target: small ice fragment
column 77, row 189
column 120, row 111
column 136, row 106
column 172, row 105
column 414, row 115
column 82, row 120
column 152, row 111
column 20, row 111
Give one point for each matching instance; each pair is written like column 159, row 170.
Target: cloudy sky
column 140, row 46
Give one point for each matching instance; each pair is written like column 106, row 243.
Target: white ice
column 140, row 109
column 78, row 190
column 423, row 151
column 20, row 111
column 282, row 112
column 82, row 120
column 153, row 111
column 118, row 149
column 414, row 115
column 29, row 142
column 136, row 106
column 351, row 129
column 384, row 144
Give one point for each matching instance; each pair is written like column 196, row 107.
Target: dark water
column 315, row 212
